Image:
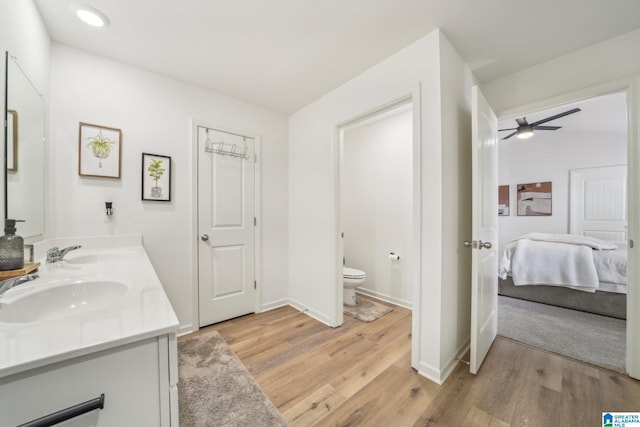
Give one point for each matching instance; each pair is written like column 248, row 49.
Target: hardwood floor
column 360, row 375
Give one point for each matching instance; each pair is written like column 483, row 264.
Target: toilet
column 351, row 277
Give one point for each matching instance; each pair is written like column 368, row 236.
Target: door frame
column 411, row 96
column 195, row 294
column 631, row 87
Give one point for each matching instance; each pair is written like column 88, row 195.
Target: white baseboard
column 439, row 376
column 430, row 373
column 386, row 298
column 454, row 362
column 309, row 312
column 273, row 305
column 189, row 328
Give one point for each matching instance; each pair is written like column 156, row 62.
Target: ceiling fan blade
column 507, row 129
column 547, row 127
column 509, row 136
column 557, row 116
column 522, row 121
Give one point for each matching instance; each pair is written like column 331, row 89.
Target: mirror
column 24, row 150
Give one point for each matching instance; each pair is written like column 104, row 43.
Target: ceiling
column 607, row 114
column 283, row 54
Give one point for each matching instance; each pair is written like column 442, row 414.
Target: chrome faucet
column 5, row 285
column 56, row 254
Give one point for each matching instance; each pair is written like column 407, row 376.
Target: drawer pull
column 67, row 414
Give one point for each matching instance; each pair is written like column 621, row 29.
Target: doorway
column 227, row 221
column 379, row 193
column 595, row 137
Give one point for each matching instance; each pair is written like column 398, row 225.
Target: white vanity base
column 138, row 380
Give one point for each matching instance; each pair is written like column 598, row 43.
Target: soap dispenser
column 11, row 247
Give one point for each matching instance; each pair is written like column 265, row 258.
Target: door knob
column 486, row 245
column 205, row 237
column 468, row 244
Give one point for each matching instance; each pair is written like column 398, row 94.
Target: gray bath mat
column 215, row 388
column 366, row 310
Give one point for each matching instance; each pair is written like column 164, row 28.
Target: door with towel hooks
column 226, row 225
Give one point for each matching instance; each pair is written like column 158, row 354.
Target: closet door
column 226, row 225
column 599, row 203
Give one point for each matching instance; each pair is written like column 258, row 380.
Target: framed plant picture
column 100, row 148
column 156, row 177
column 12, row 140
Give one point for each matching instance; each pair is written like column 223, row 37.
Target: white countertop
column 142, row 312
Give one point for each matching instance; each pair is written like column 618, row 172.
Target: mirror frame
column 5, row 130
column 39, row 230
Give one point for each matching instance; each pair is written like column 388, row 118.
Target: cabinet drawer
column 128, row 376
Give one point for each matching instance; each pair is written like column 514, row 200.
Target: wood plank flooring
column 360, row 375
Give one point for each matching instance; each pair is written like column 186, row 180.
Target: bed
column 571, row 271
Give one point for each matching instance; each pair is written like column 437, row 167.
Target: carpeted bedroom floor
column 594, row 339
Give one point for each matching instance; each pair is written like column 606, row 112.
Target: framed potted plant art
column 156, row 177
column 99, row 148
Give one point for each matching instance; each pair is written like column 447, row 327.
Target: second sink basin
column 54, row 300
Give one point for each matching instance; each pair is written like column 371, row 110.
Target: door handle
column 205, row 237
column 486, row 245
column 477, row 244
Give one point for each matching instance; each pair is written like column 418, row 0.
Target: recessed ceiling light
column 91, row 16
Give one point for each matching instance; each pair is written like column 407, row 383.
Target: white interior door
column 226, row 225
column 599, row 203
column 484, row 266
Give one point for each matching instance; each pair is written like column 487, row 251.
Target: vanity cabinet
column 138, row 380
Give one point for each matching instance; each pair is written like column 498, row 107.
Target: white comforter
column 576, row 262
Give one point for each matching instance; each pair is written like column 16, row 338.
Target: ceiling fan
column 525, row 129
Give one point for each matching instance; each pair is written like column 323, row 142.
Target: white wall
column 155, row 116
column 442, row 305
column 24, row 35
column 550, row 157
column 377, row 204
column 456, row 81
column 612, row 59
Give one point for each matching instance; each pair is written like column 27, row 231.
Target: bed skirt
column 604, row 303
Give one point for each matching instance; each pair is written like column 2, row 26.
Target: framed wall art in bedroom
column 503, row 200
column 534, row 199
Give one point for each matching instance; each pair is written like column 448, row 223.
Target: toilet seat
column 353, row 273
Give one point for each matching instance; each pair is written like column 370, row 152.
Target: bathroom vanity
column 95, row 330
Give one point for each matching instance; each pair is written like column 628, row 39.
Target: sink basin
column 56, row 300
column 96, row 258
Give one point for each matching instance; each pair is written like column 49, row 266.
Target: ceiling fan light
column 524, row 132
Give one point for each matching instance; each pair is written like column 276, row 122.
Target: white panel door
column 484, row 265
column 226, row 211
column 599, row 203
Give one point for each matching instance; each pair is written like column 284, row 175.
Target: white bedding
column 565, row 260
